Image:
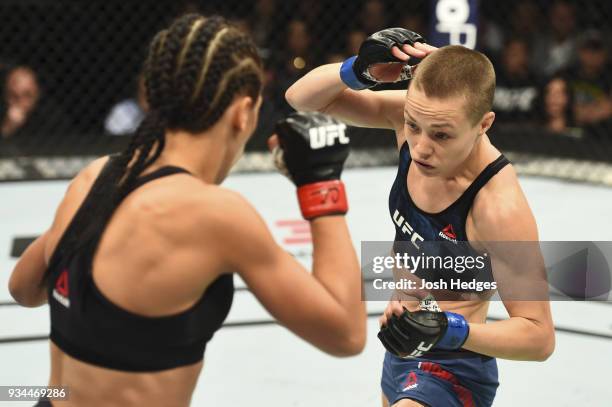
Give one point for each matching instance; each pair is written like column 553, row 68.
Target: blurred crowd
column 552, row 64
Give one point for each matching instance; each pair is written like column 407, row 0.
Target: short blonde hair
column 458, row 71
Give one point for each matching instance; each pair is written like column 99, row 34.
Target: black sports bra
column 88, row 326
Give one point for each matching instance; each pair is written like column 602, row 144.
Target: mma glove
column 376, row 49
column 413, row 333
column 312, row 150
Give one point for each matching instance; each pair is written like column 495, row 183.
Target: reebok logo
column 60, row 292
column 449, row 234
column 411, row 382
column 325, row 136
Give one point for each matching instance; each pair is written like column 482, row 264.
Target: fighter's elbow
column 356, row 343
column 15, row 290
column 546, row 346
column 26, row 297
column 349, row 346
column 349, row 341
column 292, row 98
column 297, row 100
column 27, row 300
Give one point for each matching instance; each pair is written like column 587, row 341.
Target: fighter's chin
column 431, row 173
column 426, row 170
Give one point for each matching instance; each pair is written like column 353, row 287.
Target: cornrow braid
column 192, row 33
column 237, row 68
column 210, row 52
column 192, row 72
column 192, row 68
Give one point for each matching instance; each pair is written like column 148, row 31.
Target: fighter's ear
column 240, row 111
column 486, row 122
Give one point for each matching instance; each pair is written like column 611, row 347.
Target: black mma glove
column 313, row 148
column 414, row 333
column 376, row 49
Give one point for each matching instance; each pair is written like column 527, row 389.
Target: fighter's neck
column 481, row 155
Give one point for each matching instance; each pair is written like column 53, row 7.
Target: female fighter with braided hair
column 137, row 264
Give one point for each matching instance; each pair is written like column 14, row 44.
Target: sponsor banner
column 454, row 22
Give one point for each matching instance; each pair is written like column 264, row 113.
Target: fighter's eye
column 412, row 126
column 441, row 136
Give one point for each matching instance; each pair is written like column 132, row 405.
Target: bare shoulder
column 219, row 202
column 75, row 194
column 81, row 184
column 79, row 187
column 219, row 218
column 213, row 207
column 227, row 210
column 500, row 211
column 93, row 169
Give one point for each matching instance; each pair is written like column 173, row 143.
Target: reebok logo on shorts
column 411, row 382
column 60, row 292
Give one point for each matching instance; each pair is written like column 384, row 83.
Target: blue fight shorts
column 446, row 379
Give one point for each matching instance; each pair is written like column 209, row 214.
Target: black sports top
column 88, row 326
column 439, row 234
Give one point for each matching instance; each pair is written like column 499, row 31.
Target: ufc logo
column 406, row 228
column 421, row 349
column 325, row 136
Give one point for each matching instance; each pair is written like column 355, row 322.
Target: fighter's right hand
column 314, row 147
column 391, row 48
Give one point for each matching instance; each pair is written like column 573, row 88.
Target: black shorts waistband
column 454, row 354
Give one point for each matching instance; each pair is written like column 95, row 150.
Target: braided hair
column 192, row 72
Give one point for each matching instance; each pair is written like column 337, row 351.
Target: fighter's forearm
column 516, row 338
column 317, row 89
column 27, row 284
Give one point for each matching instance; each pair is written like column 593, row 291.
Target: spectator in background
column 298, row 44
column 556, row 50
column 591, row 83
column 28, row 119
column 490, row 39
column 263, row 22
column 556, row 106
column 373, row 17
column 295, row 60
column 525, row 20
column 516, row 89
column 312, row 12
column 125, row 117
column 413, row 21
